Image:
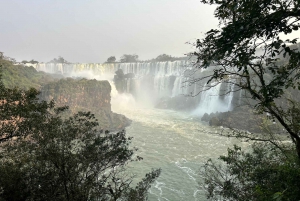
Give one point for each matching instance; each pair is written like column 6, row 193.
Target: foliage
column 264, row 173
column 21, row 112
column 246, row 51
column 128, row 58
column 111, row 59
column 45, row 156
column 164, row 57
column 59, row 60
column 31, row 61
column 22, row 77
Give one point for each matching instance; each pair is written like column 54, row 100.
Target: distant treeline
column 126, row 58
column 131, row 58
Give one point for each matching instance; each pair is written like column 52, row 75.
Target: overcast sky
column 93, row 30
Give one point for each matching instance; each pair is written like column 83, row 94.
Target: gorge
column 165, row 127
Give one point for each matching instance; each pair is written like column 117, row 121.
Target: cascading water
column 210, row 101
column 229, row 96
column 153, row 81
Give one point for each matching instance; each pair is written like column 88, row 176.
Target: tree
column 111, row 59
column 59, row 60
column 22, row 113
column 164, row 57
column 262, row 173
column 47, row 156
column 71, row 160
column 127, row 58
column 33, row 61
column 248, row 51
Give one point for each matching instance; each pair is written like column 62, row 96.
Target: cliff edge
column 86, row 95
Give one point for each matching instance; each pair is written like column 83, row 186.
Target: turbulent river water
column 176, row 142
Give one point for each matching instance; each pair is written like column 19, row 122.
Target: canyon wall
column 86, row 95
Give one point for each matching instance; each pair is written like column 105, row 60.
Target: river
column 176, row 142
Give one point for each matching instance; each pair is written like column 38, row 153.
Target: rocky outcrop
column 242, row 118
column 121, row 80
column 86, row 95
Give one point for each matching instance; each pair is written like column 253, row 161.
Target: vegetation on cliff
column 111, row 59
column 23, row 77
column 129, row 58
column 59, row 60
column 78, row 94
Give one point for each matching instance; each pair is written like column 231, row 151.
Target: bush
column 263, row 173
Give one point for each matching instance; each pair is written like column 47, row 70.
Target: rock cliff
column 86, row 95
column 242, row 118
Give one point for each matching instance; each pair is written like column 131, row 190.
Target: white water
column 175, row 142
column 210, row 99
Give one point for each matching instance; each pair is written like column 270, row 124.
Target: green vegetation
column 21, row 110
column 50, row 153
column 111, row 59
column 249, row 26
column 31, row 61
column 262, row 173
column 45, row 156
column 59, row 60
column 165, row 57
column 249, row 52
column 23, row 77
column 129, row 58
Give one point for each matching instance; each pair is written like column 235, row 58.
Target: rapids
column 178, row 143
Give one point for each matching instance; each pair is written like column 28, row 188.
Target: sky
column 90, row 31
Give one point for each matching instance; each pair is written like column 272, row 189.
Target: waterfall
column 153, row 81
column 210, row 101
column 229, row 96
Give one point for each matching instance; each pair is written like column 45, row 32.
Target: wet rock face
column 214, row 121
column 86, row 95
column 121, row 81
column 205, row 117
column 242, row 118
